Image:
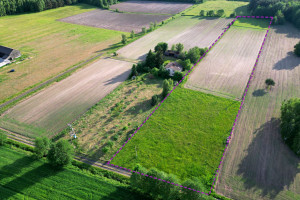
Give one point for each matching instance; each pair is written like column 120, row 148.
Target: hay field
column 227, row 67
column 191, row 31
column 52, row 46
column 258, row 165
column 239, row 7
column 115, row 21
column 185, row 136
column 51, row 109
column 151, row 7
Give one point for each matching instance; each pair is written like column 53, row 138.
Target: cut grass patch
column 22, row 177
column 246, row 23
column 240, row 8
column 185, row 136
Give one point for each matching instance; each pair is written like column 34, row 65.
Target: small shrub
column 105, row 149
column 155, row 100
column 124, row 39
column 115, row 137
column 110, row 143
column 178, row 76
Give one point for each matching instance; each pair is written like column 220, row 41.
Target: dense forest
column 281, row 10
column 9, row 7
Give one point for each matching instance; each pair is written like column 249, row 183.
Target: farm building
column 8, row 53
column 173, row 67
column 171, row 53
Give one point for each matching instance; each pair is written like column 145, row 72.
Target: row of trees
column 280, row 9
column 9, row 7
column 58, row 154
column 160, row 190
column 212, row 13
column 290, row 124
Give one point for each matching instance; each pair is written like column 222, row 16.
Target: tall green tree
column 179, row 47
column 297, row 49
column 60, row 154
column 132, row 34
column 159, row 60
column 150, row 60
column 193, row 54
column 269, row 82
column 42, row 147
column 167, row 87
column 124, row 39
column 290, row 124
column 195, row 184
column 162, row 46
column 202, row 13
column 2, row 9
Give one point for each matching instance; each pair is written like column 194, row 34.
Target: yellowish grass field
column 52, row 46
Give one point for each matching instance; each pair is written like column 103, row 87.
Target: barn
column 8, row 53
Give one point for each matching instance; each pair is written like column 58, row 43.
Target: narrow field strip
column 216, row 174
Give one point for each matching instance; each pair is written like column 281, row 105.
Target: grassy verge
column 23, row 177
column 186, row 136
column 246, row 23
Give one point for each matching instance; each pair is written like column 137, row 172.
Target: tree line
column 10, row 7
column 281, row 10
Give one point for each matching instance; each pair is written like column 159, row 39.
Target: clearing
column 227, row 67
column 115, row 117
column 23, row 177
column 151, row 7
column 258, row 165
column 186, row 136
column 239, row 7
column 190, row 31
column 51, row 46
column 115, row 21
column 49, row 111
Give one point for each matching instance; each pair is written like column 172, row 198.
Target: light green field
column 246, row 23
column 185, row 136
column 239, row 7
column 51, row 46
column 22, row 177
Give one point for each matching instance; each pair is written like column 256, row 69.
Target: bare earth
column 61, row 103
column 227, row 67
column 258, row 165
column 151, row 7
column 202, row 31
column 115, row 21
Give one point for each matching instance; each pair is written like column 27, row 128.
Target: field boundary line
column 132, row 171
column 242, row 103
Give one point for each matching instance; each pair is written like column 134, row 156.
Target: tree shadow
column 288, row 29
column 242, row 10
column 141, row 106
column 290, row 62
column 29, row 179
column 120, row 78
column 259, row 93
column 270, row 165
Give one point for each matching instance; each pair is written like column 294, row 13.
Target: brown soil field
column 151, row 7
column 115, row 21
column 227, row 67
column 190, row 31
column 54, row 107
column 257, row 164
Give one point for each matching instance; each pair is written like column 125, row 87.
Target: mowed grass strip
column 22, row 177
column 185, row 136
column 51, row 46
column 240, row 8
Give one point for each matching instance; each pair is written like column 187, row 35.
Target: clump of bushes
column 290, row 124
column 167, row 87
column 42, row 147
column 297, row 49
column 155, row 100
column 60, row 154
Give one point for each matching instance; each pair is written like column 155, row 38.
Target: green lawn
column 260, row 24
column 185, row 136
column 228, row 6
column 22, row 177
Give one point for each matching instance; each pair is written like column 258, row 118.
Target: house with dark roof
column 8, row 53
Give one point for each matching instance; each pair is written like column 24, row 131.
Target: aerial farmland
column 154, row 100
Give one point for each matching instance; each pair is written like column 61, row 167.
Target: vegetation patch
column 23, row 177
column 186, row 136
column 230, row 7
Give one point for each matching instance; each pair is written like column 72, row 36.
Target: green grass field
column 246, row 23
column 239, row 7
column 22, row 177
column 51, row 46
column 185, row 136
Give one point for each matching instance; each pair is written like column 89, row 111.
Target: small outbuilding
column 173, row 67
column 8, row 53
column 171, row 53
